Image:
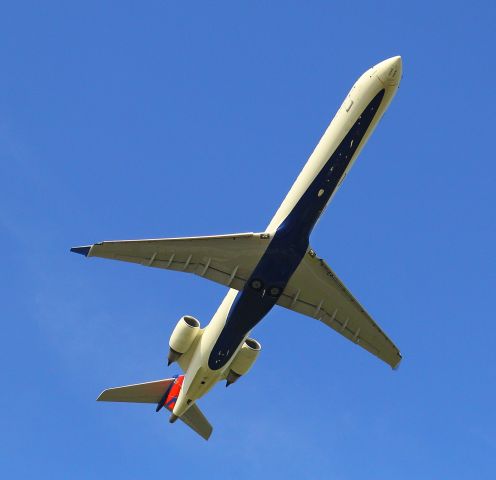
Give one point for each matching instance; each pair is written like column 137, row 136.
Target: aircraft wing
column 316, row 291
column 225, row 259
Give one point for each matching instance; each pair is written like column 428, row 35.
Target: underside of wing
column 316, row 291
column 225, row 259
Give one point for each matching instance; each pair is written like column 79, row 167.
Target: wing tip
column 85, row 250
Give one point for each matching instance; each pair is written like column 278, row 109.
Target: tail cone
column 173, row 418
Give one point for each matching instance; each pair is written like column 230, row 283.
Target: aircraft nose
column 389, row 71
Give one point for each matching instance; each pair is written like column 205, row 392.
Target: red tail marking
column 171, row 399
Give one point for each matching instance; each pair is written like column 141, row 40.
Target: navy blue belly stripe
column 288, row 246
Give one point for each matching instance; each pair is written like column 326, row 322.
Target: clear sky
column 151, row 119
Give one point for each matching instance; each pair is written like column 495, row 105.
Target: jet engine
column 243, row 360
column 182, row 337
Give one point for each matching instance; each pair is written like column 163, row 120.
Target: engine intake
column 182, row 337
column 243, row 360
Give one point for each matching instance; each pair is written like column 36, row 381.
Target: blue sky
column 130, row 120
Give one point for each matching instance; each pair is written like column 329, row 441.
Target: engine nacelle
column 182, row 337
column 243, row 360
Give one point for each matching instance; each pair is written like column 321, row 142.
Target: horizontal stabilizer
column 195, row 420
column 154, row 392
column 149, row 392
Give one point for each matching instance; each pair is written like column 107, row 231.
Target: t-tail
column 162, row 393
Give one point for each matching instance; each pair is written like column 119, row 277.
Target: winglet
column 82, row 250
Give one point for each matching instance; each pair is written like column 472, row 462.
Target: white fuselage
column 381, row 79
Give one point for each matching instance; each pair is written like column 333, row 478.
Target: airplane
column 274, row 267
